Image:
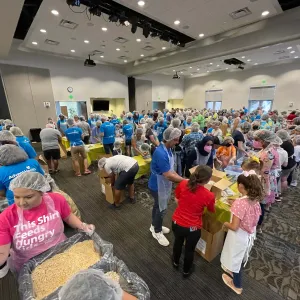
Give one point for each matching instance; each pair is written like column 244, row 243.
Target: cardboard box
column 212, row 238
column 43, row 164
column 220, row 182
column 108, row 191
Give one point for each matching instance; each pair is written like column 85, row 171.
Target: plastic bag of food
column 90, row 284
column 129, row 282
column 25, row 276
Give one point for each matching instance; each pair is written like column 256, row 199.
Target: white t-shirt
column 119, row 163
column 283, row 156
column 297, row 153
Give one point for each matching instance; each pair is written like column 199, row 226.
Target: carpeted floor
column 272, row 273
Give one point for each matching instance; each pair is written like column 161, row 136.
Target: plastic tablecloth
column 66, row 143
column 144, row 166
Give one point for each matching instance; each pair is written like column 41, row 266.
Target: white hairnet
column 98, row 123
column 171, row 134
column 297, row 128
column 91, row 284
column 265, row 117
column 189, row 118
column 149, row 123
column 7, row 136
column 102, row 162
column 70, row 122
column 139, row 130
column 267, row 136
column 176, row 123
column 296, row 121
column 145, row 147
column 117, row 145
column 11, row 154
column 297, row 139
column 142, row 121
column 31, row 181
column 16, row 131
column 129, row 115
column 195, row 127
column 161, row 119
column 283, row 135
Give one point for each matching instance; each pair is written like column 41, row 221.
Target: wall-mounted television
column 99, row 105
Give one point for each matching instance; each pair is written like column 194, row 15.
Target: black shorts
column 52, row 154
column 128, row 142
column 126, row 178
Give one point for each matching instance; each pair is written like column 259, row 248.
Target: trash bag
column 90, row 284
column 26, row 291
column 129, row 282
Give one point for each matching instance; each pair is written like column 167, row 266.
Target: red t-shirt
column 9, row 217
column 291, row 117
column 191, row 205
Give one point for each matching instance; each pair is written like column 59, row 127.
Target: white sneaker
column 294, row 183
column 165, row 230
column 162, row 240
column 4, row 270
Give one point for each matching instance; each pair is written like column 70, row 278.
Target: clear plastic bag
column 25, row 280
column 90, row 284
column 129, row 282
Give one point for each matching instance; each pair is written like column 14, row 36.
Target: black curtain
column 4, row 110
column 131, row 93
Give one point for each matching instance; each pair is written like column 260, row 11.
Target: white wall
column 164, row 87
column 98, row 82
column 236, row 85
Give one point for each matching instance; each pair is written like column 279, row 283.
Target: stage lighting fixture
column 154, row 34
column 113, row 18
column 241, row 67
column 146, row 29
column 134, row 20
column 181, row 44
column 165, row 37
column 73, row 2
column 176, row 76
column 89, row 62
column 122, row 18
column 96, row 11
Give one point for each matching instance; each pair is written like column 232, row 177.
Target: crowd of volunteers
column 265, row 144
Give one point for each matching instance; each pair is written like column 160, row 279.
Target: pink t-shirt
column 248, row 212
column 9, row 217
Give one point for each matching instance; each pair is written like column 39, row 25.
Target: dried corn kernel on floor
column 272, row 273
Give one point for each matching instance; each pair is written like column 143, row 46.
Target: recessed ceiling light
column 72, row 50
column 289, row 48
column 125, row 61
column 248, row 59
column 226, row 68
column 218, row 65
column 181, row 72
column 43, row 30
column 118, row 49
column 243, row 56
column 102, row 56
column 164, row 48
column 207, row 71
column 191, row 67
column 256, row 64
column 34, row 43
column 177, row 22
column 292, row 52
column 104, row 29
column 141, row 3
column 198, row 69
column 142, row 55
column 138, row 40
column 296, row 56
column 211, row 63
column 55, row 12
column 86, row 41
column 265, row 13
column 201, row 35
column 174, row 70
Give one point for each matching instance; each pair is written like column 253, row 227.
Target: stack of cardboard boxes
column 212, row 236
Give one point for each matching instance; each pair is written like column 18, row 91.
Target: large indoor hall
column 149, row 150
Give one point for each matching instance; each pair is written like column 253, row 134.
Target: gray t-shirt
column 119, row 163
column 49, row 138
column 84, row 127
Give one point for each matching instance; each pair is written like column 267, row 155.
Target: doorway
column 71, row 108
column 159, row 105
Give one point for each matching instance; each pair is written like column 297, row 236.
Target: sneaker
column 162, row 240
column 278, row 199
column 175, row 266
column 165, row 230
column 4, row 270
column 258, row 230
column 115, row 207
column 132, row 200
column 191, row 271
column 229, row 282
column 294, row 183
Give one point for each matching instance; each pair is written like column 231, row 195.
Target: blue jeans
column 157, row 215
column 108, row 148
column 237, row 279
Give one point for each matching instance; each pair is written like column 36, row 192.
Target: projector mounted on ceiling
column 236, row 62
column 176, row 76
column 89, row 62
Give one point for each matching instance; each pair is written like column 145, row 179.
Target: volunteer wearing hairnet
column 150, row 136
column 160, row 182
column 160, row 127
column 86, row 129
column 96, row 134
column 6, row 137
column 13, row 162
column 34, row 223
column 62, row 125
column 137, row 141
column 23, row 142
column 124, row 168
column 107, row 132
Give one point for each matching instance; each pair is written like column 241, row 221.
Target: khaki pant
column 78, row 151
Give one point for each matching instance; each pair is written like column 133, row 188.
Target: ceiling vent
column 51, row 42
column 243, row 12
column 68, row 24
column 121, row 40
column 96, row 52
column 278, row 52
column 123, row 57
column 284, row 57
column 148, row 48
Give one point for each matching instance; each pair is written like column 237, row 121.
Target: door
column 64, row 111
column 158, row 105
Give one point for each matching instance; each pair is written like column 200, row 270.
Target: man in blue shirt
column 160, row 127
column 62, row 124
column 75, row 137
column 128, row 132
column 107, row 131
column 160, row 182
column 114, row 120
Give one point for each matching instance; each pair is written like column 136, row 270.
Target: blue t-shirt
column 160, row 128
column 258, row 117
column 24, row 143
column 8, row 173
column 1, row 128
column 62, row 125
column 109, row 133
column 115, row 121
column 73, row 135
column 128, row 131
column 186, row 124
column 160, row 164
column 92, row 123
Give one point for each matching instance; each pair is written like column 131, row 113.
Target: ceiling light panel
column 68, row 24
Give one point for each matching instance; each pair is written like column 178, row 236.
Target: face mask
column 207, row 148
